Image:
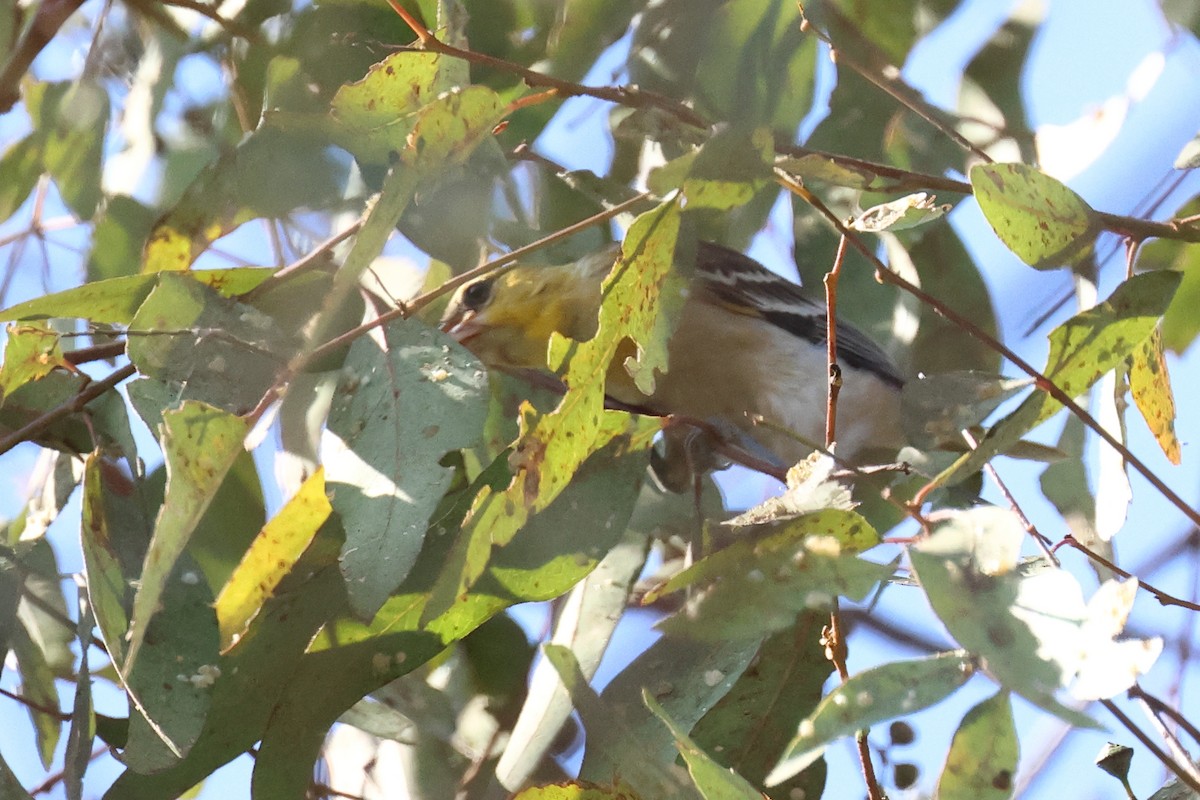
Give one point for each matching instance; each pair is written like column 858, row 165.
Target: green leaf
column 170, row 674
column 937, row 408
column 114, row 534
column 31, row 352
column 222, row 352
column 271, row 556
column 1033, row 630
column 749, row 728
column 10, row 597
column 585, row 624
column 259, row 178
column 120, row 233
column 399, row 410
column 117, row 300
column 234, row 518
column 20, row 167
column 611, row 742
column 726, row 172
column 11, row 788
column 200, row 444
column 982, row 761
column 37, row 687
column 714, row 781
column 555, row 549
column 402, row 106
column 756, row 67
column 575, row 790
column 43, row 607
column 687, row 677
column 83, row 720
column 885, row 692
column 74, row 118
column 1041, row 220
column 1082, row 350
column 753, row 588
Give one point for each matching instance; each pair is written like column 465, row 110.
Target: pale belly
column 706, row 382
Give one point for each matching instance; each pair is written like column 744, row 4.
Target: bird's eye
column 477, row 294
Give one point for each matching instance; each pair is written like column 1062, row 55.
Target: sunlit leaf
column 31, row 352
column 200, row 444
column 756, row 587
column 1045, row 223
column 1150, row 385
column 271, row 556
column 586, row 623
column 907, row 212
column 37, row 687
column 400, row 408
column 117, row 300
column 1082, row 349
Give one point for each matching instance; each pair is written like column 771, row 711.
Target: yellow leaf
column 1151, row 387
column 270, row 557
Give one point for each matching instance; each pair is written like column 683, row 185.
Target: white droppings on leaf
column 713, row 676
column 190, row 578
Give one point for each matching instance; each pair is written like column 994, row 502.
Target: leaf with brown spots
column 1150, row 384
column 1041, row 220
column 983, row 755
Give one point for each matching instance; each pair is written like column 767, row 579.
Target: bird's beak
column 463, row 326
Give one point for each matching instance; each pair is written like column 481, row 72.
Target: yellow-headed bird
column 748, row 344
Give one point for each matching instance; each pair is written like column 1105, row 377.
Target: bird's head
column 506, row 319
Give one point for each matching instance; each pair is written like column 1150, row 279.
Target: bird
column 749, row 346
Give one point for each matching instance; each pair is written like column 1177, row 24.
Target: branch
column 1162, row 597
column 630, row 96
column 73, row 406
column 51, row 14
column 886, row 76
column 883, row 273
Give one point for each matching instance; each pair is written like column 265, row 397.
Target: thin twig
column 1137, row 692
column 308, row 261
column 835, row 371
column 61, row 775
column 36, row 706
column 232, row 27
column 886, row 77
column 970, row 328
column 622, row 95
column 1162, row 597
column 835, row 650
column 76, row 404
column 1042, row 540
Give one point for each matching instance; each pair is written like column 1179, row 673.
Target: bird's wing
column 746, row 286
